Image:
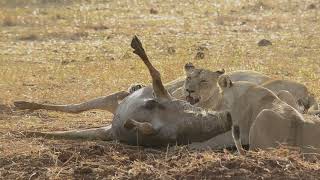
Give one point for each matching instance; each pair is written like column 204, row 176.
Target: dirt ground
column 61, row 51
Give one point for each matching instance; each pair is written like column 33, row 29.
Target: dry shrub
column 9, row 21
column 97, row 27
column 78, row 35
column 29, row 37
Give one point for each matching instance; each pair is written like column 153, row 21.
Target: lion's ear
column 225, row 81
column 220, row 72
column 189, row 67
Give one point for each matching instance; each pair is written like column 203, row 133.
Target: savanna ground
column 66, row 52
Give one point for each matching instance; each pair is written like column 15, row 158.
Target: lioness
column 201, row 89
column 262, row 120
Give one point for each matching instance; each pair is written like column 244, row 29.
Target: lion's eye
column 203, row 81
column 188, row 78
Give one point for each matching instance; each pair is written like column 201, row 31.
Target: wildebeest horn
column 158, row 88
column 144, row 127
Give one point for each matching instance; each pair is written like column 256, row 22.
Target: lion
column 200, row 88
column 263, row 120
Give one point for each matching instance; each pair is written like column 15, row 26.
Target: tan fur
column 264, row 120
column 201, row 85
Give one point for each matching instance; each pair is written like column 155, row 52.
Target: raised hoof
column 22, row 105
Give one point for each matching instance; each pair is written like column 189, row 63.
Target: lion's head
column 231, row 92
column 200, row 84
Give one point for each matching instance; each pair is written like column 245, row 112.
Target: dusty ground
column 61, row 52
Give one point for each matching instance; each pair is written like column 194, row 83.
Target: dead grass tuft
column 78, row 35
column 9, row 21
column 29, row 37
column 97, row 27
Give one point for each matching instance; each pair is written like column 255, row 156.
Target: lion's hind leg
column 269, row 130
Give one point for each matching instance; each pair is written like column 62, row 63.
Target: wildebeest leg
column 103, row 133
column 158, row 88
column 109, row 103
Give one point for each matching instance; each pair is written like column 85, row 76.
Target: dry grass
column 66, row 52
